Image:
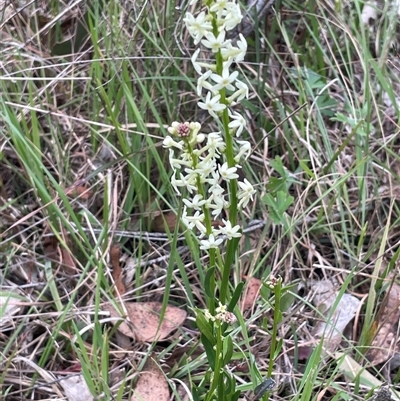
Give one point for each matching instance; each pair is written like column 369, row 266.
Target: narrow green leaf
column 209, row 351
column 228, row 343
column 236, row 296
column 205, row 327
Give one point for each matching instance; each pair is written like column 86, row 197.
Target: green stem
column 218, row 362
column 210, row 301
column 233, row 189
column 277, row 318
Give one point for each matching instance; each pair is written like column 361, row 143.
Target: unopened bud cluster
column 221, row 315
column 198, row 159
column 272, row 282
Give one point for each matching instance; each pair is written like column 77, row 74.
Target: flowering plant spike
column 207, row 165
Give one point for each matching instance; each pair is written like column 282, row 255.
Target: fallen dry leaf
column 117, row 270
column 163, row 219
column 324, row 299
column 79, row 191
column 144, row 320
column 251, row 294
column 10, row 305
column 76, row 389
column 354, row 371
column 180, row 352
column 152, row 384
column 385, row 345
column 60, row 254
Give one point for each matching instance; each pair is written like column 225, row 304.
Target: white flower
column 246, row 192
column 216, row 142
column 235, row 53
column 215, row 190
column 214, row 179
column 228, row 173
column 245, row 150
column 188, row 184
column 184, row 219
column 224, row 81
column 198, row 27
column 221, row 308
column 212, row 105
column 232, row 18
column 238, row 123
column 196, row 65
column 211, row 242
column 177, row 163
column 205, row 168
column 242, row 45
column 217, row 203
column 241, row 93
column 196, row 203
column 202, row 82
column 229, row 52
column 197, row 219
column 194, row 221
column 219, row 5
column 243, row 89
column 214, row 43
column 191, row 176
column 168, row 142
column 208, row 316
column 229, row 231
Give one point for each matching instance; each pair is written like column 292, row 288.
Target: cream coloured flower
column 212, row 105
column 225, row 80
column 210, row 243
column 202, row 82
column 168, row 142
column 214, row 43
column 232, row 18
column 198, row 27
column 227, row 173
column 242, row 45
column 245, row 150
column 246, row 192
column 229, row 231
column 196, row 203
column 238, row 122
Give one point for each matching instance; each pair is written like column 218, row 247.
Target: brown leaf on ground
column 59, row 253
column 144, row 319
column 10, row 305
column 79, row 191
column 152, row 384
column 384, row 345
column 251, row 293
column 76, row 389
column 117, row 270
column 183, row 352
column 324, row 299
column 67, row 260
column 160, row 221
